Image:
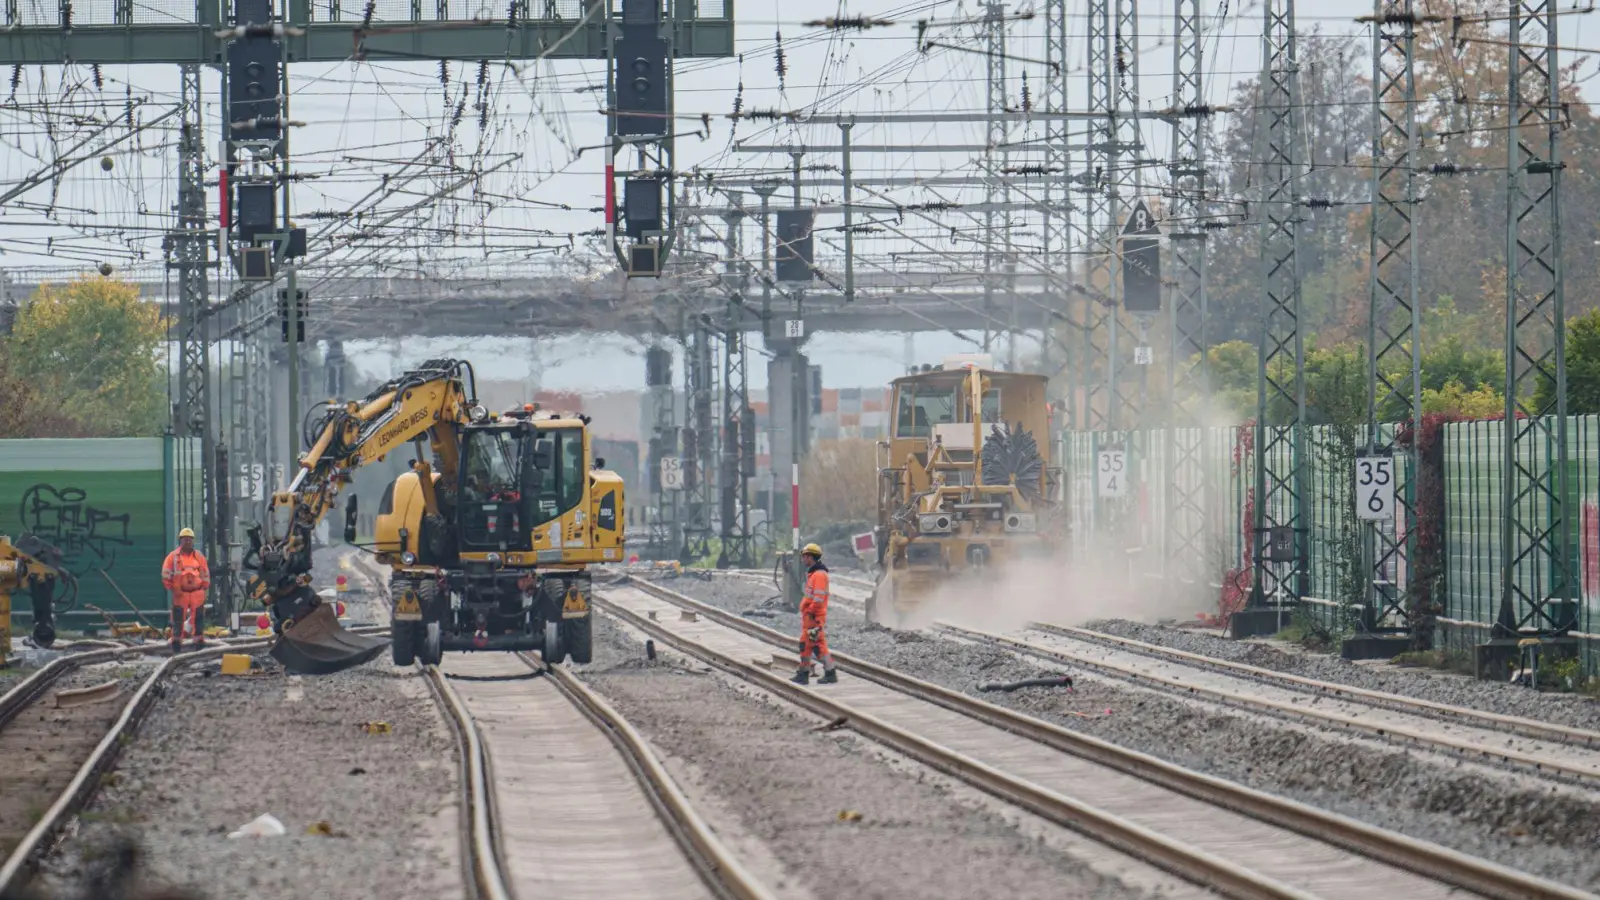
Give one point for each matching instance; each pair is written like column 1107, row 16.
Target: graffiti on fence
column 87, row 536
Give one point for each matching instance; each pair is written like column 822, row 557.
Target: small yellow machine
column 489, row 541
column 32, row 564
column 965, row 483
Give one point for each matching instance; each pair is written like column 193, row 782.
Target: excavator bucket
column 319, row 645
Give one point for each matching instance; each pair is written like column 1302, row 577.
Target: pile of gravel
column 1515, row 821
column 1456, row 690
column 367, row 813
column 786, row 783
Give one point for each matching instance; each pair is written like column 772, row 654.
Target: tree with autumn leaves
column 82, row 360
column 1459, row 218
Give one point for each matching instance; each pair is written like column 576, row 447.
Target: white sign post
column 1111, row 471
column 671, row 473
column 1375, row 486
column 794, row 329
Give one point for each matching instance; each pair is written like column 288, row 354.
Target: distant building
column 621, row 422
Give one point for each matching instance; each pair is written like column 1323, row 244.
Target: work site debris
column 264, row 825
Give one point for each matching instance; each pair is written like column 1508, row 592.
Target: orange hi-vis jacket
column 187, row 576
column 814, row 603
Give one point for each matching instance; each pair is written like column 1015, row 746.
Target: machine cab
column 937, row 406
column 517, row 478
column 497, row 493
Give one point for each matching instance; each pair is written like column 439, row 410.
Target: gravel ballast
column 788, row 783
column 1514, row 821
column 217, row 752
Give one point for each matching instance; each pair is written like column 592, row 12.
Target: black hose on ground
column 1052, row 681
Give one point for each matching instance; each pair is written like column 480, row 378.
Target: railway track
column 1512, row 742
column 67, row 753
column 1528, row 745
column 577, row 806
column 1222, row 836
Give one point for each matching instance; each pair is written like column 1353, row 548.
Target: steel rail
column 699, row 842
column 1436, row 742
column 1525, row 727
column 1498, row 722
column 1471, row 874
column 1517, row 725
column 1187, row 862
column 25, row 692
column 483, row 857
column 81, row 789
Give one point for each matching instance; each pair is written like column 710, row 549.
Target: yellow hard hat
column 187, row 532
column 812, row 550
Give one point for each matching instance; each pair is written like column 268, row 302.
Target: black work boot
column 802, row 677
column 830, row 676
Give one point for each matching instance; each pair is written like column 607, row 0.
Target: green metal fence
column 1336, row 569
column 113, row 506
column 1473, row 461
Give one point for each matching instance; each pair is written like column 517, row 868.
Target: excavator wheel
column 430, row 630
column 578, row 636
column 403, row 642
column 432, row 649
column 554, row 651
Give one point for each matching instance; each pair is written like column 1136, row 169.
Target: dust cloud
column 1061, row 591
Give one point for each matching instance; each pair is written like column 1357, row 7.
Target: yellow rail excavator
column 489, row 541
column 965, row 486
column 34, row 565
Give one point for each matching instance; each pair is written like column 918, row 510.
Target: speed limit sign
column 1375, row 486
column 1111, row 470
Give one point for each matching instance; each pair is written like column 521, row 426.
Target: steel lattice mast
column 1097, row 223
column 1280, row 527
column 737, row 418
column 1189, row 384
column 993, row 189
column 1394, row 374
column 1058, row 209
column 1125, row 395
column 198, row 503
column 1535, row 530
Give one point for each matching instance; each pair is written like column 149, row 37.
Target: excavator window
column 562, row 488
column 490, row 470
column 491, row 505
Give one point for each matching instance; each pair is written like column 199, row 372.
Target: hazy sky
column 366, row 117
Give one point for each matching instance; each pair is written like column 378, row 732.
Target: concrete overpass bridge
column 366, row 304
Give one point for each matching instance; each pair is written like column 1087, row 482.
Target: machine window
column 921, row 407
column 991, row 405
column 490, row 467
column 562, row 488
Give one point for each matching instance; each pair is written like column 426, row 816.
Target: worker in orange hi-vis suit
column 186, row 575
column 814, row 619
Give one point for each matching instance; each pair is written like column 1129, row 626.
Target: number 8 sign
column 1375, row 486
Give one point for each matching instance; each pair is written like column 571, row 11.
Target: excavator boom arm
column 436, row 396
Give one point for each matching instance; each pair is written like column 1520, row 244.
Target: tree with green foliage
column 89, row 349
column 1583, row 368
column 1453, row 359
